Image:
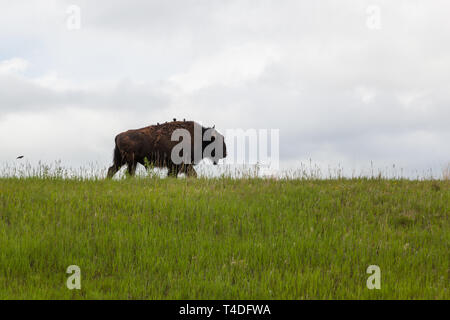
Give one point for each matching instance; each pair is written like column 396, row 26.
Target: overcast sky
column 345, row 82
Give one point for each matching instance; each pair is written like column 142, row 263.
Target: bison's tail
column 117, row 158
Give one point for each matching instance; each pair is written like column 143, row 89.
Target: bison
column 158, row 145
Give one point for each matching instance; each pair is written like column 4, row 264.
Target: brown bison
column 176, row 145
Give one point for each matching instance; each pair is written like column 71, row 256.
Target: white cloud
column 367, row 95
column 232, row 67
column 13, row 66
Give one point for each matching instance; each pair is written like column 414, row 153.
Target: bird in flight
column 19, row 157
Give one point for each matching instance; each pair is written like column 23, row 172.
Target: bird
column 184, row 120
column 19, row 157
column 174, row 119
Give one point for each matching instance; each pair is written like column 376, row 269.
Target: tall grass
column 223, row 238
column 303, row 171
column 446, row 172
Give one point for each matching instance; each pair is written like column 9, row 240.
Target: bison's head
column 213, row 146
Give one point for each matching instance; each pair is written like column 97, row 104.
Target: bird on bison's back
column 152, row 146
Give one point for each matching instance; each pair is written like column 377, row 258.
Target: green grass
column 223, row 238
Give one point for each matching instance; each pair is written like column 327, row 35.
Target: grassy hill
column 224, row 238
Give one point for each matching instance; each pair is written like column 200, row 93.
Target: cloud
column 232, row 67
column 338, row 91
column 13, row 66
column 20, row 93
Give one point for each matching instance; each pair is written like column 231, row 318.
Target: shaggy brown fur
column 152, row 146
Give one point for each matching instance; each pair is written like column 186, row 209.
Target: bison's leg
column 189, row 170
column 173, row 171
column 112, row 171
column 131, row 167
column 131, row 163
